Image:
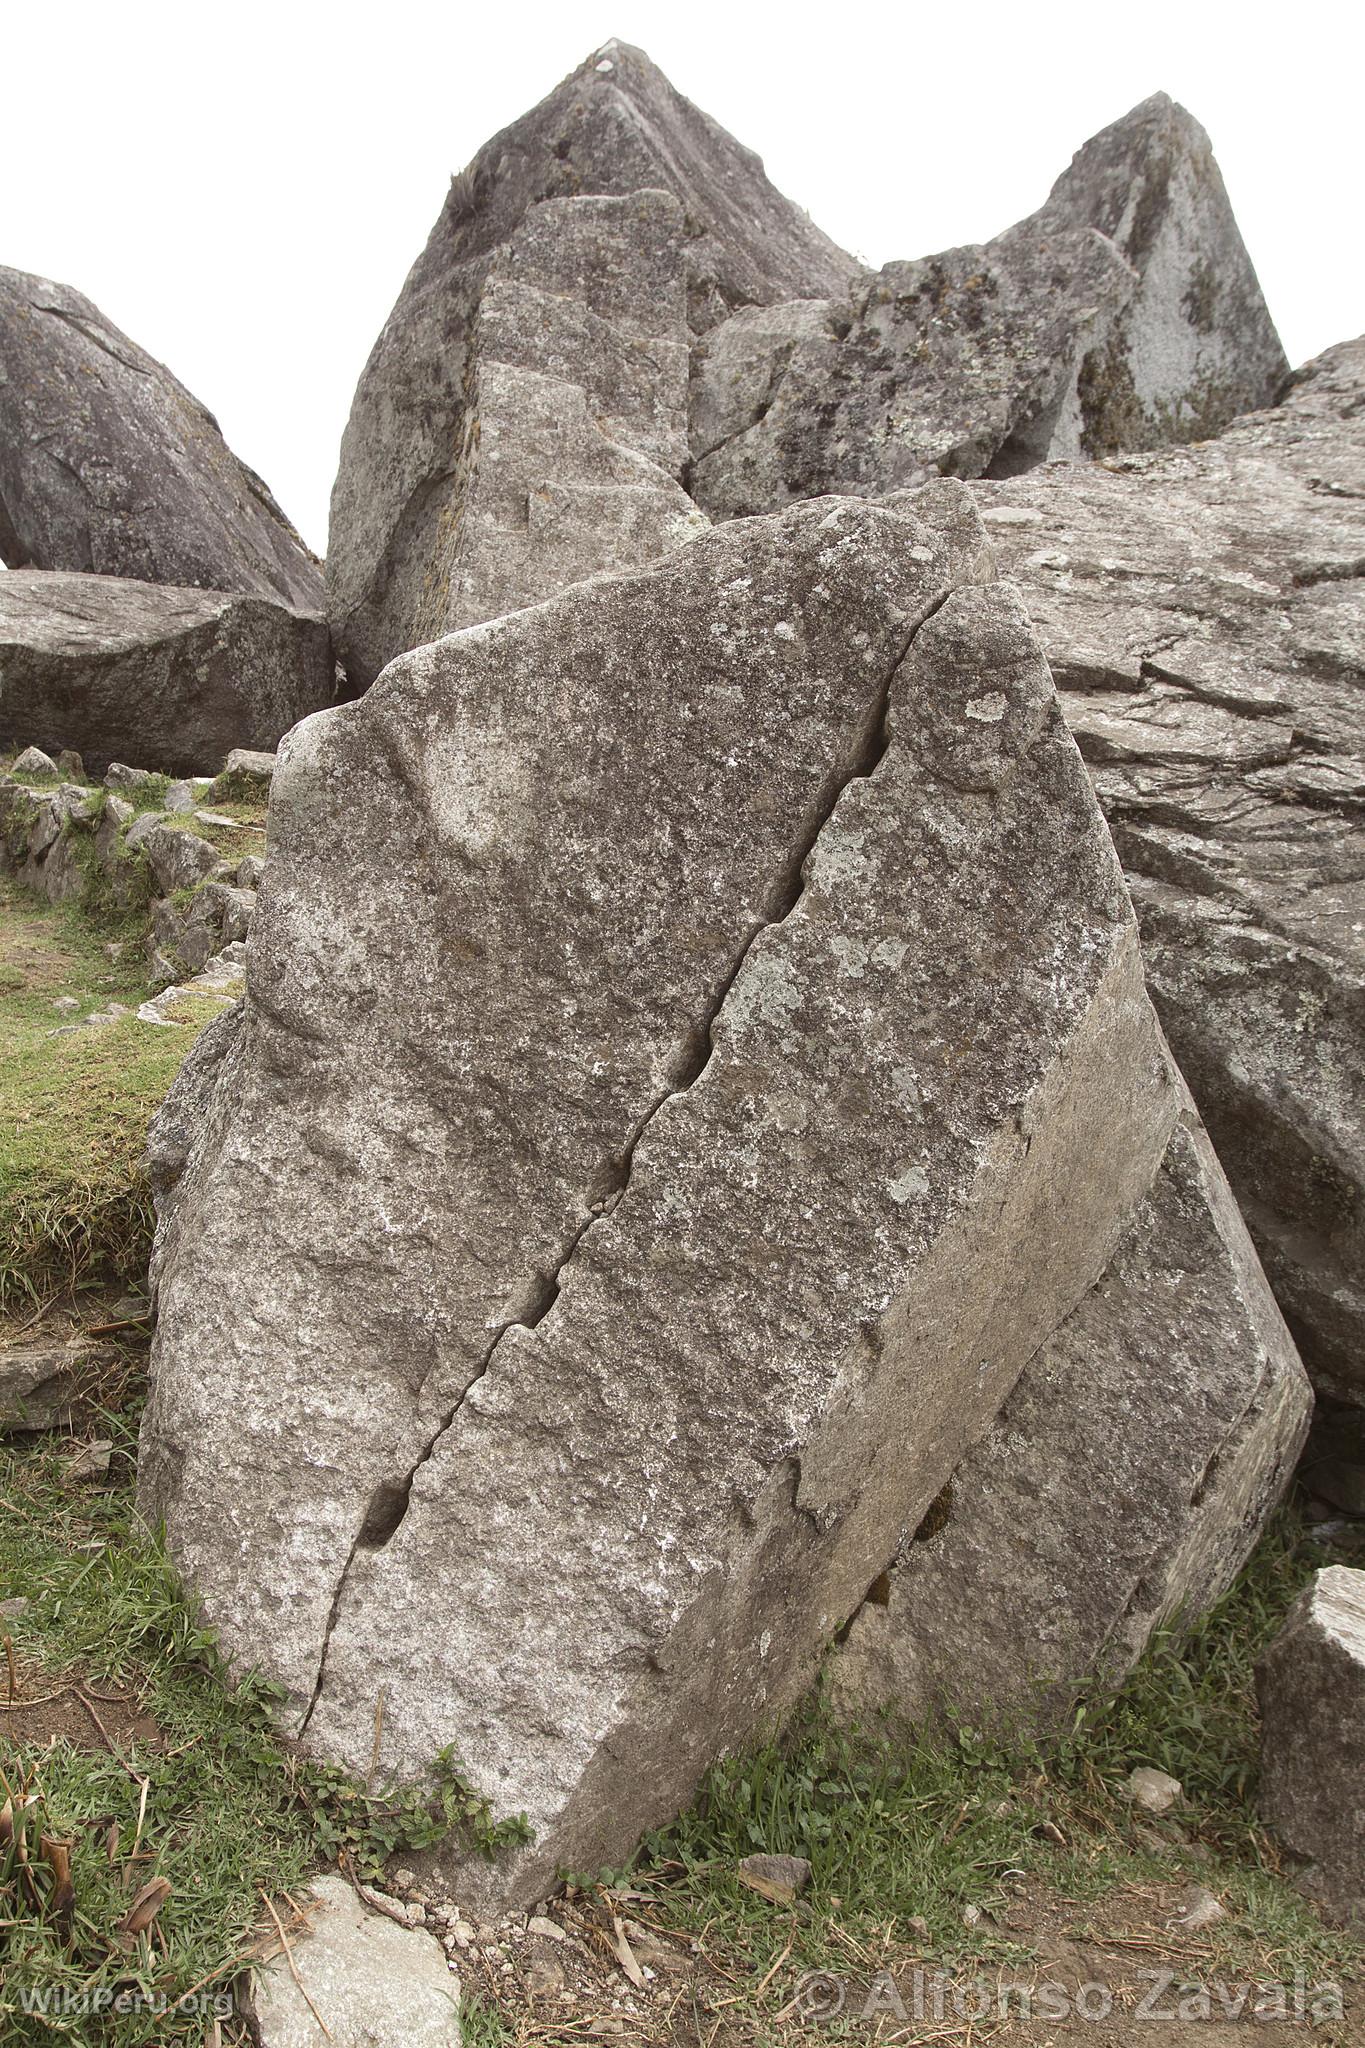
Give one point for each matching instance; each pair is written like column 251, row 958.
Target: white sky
column 242, row 188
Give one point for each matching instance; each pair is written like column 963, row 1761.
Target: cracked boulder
column 1311, row 1687
column 108, row 465
column 1201, row 610
column 695, row 1050
column 164, row 679
column 522, row 420
column 1123, row 314
column 1125, row 1480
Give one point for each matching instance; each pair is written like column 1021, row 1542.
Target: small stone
column 1154, row 1791
column 543, row 1976
column 403, row 1879
column 118, row 775
column 550, row 1929
column 971, row 1916
column 91, row 1461
column 1198, row 1910
column 66, row 1004
column 367, row 1979
column 10, row 1610
column 178, row 798
column 789, row 1874
column 33, row 761
column 70, row 764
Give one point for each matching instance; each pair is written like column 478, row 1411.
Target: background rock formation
column 695, row 1050
column 1123, row 315
column 599, row 297
column 1127, row 1477
column 1201, row 611
column 107, row 464
column 157, row 677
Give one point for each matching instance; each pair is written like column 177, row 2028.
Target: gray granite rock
column 1124, row 314
column 108, row 465
column 1311, row 1683
column 1202, row 613
column 164, row 679
column 1125, row 1480
column 522, row 420
column 695, row 1050
column 358, row 1980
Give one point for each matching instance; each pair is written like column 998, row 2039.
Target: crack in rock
column 389, row 1504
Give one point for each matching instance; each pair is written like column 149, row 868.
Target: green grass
column 905, row 1829
column 74, row 1108
column 229, row 1810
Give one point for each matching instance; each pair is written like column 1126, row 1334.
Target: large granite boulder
column 108, row 464
column 1124, row 314
column 1201, row 611
column 521, row 421
column 564, row 373
column 1124, row 1482
column 153, row 676
column 1311, row 1683
column 695, row 1051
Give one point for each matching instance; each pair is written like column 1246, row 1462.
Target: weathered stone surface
column 1123, row 314
column 522, row 421
column 694, row 1051
column 108, row 465
column 1201, row 611
column 359, row 1980
column 41, row 1381
column 1311, row 1683
column 164, row 679
column 1126, row 1478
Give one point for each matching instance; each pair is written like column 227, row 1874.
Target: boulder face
column 1201, row 612
column 108, row 465
column 521, row 421
column 564, row 374
column 1311, row 1683
column 1124, row 314
column 1126, row 1478
column 695, row 1051
column 157, row 677
column 1193, row 345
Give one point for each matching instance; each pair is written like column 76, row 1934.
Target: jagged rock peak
column 109, row 465
column 617, row 125
column 1124, row 314
column 1150, row 182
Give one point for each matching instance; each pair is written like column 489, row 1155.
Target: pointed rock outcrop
column 1123, row 315
column 521, row 422
column 108, row 465
column 695, row 1051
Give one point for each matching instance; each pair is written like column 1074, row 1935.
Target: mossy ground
column 74, row 1103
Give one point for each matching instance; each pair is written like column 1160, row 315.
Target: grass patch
column 74, row 1108
column 229, row 1810
column 933, row 1842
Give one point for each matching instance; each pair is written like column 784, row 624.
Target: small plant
column 35, row 1860
column 352, row 1825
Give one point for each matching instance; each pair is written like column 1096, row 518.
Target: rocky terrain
column 785, row 1097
